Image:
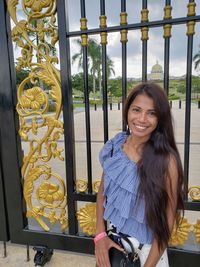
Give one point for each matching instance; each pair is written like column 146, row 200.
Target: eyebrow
column 140, row 108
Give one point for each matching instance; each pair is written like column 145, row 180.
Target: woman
column 142, row 183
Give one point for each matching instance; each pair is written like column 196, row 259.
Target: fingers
column 101, row 252
column 115, row 245
column 102, row 259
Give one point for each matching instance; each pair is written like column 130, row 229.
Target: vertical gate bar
column 190, row 33
column 87, row 104
column 166, row 65
column 124, row 69
column 144, row 50
column 66, row 88
column 166, row 53
column 104, row 78
column 4, row 233
column 4, row 250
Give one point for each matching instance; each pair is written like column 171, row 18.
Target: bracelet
column 99, row 236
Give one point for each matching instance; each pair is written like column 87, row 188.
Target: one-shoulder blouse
column 123, row 207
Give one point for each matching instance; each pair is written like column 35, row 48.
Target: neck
column 137, row 143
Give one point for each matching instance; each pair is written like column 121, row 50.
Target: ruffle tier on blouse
column 123, row 207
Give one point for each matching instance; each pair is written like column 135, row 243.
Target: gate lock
column 43, row 255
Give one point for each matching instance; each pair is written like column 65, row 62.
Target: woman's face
column 142, row 119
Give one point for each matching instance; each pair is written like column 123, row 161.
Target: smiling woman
column 142, row 183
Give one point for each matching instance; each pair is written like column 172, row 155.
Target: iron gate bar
column 188, row 106
column 144, row 50
column 4, row 232
column 87, row 105
column 10, row 155
column 66, row 88
column 134, row 26
column 166, row 58
column 104, row 79
column 124, row 70
column 183, row 258
column 192, row 205
column 84, row 197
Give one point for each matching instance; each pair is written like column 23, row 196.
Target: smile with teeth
column 140, row 127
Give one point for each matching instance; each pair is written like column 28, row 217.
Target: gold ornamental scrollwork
column 83, row 26
column 87, row 218
column 180, row 235
column 82, row 185
column 167, row 27
column 36, row 36
column 144, row 30
column 197, row 231
column 103, row 24
column 194, row 193
column 191, row 24
column 124, row 32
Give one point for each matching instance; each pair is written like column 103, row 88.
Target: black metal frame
column 4, row 233
column 11, row 154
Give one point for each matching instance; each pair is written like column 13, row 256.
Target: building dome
column 156, row 72
column 157, row 68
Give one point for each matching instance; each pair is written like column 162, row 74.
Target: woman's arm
column 103, row 245
column 100, row 226
column 171, row 185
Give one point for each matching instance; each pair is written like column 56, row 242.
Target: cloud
column 178, row 41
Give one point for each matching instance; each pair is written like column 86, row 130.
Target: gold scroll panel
column 35, row 34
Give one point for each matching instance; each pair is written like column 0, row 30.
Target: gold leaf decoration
column 197, row 230
column 87, row 218
column 194, row 193
column 180, row 235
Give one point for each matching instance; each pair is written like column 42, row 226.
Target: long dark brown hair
column 153, row 166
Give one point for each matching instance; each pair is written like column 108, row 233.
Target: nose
column 142, row 117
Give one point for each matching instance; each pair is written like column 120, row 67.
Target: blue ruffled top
column 123, row 207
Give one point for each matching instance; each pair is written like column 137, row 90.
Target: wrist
column 99, row 236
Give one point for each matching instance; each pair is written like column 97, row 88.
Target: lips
column 140, row 127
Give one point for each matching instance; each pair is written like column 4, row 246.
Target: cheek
column 154, row 123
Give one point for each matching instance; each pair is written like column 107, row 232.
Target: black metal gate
column 4, row 234
column 30, row 101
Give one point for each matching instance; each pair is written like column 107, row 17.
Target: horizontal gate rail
column 134, row 26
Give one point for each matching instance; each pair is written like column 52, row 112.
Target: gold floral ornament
column 81, row 185
column 36, row 36
column 95, row 186
column 34, row 99
column 49, row 193
column 51, row 197
column 87, row 218
column 180, row 235
column 197, row 230
column 194, row 193
column 35, row 7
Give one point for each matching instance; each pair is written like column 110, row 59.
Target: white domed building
column 156, row 72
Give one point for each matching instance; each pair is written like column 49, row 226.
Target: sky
column 178, row 41
column 178, row 47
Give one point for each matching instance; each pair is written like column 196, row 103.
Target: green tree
column 196, row 60
column 94, row 61
column 77, row 82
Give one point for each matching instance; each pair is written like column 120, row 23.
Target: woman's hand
column 102, row 247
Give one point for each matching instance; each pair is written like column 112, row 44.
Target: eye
column 136, row 110
column 152, row 113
